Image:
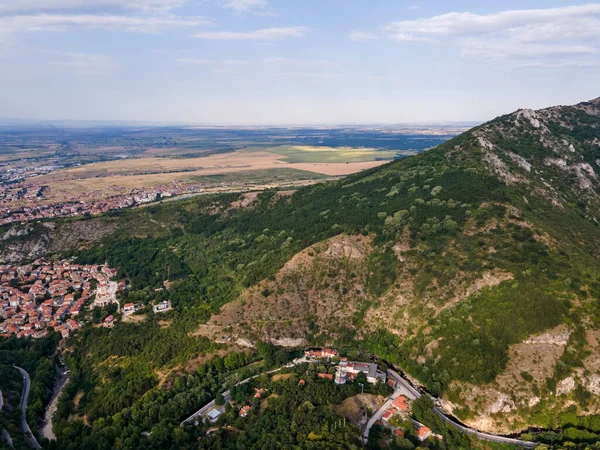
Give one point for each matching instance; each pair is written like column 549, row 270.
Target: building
column 326, row 376
column 245, row 411
column 213, row 415
column 340, row 376
column 326, row 353
column 109, row 321
column 258, row 393
column 388, row 414
column 162, row 306
column 400, row 403
column 128, row 308
column 423, row 433
column 351, row 369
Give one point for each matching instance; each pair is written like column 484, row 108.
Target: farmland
column 54, row 171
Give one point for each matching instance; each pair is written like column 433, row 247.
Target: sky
column 259, row 62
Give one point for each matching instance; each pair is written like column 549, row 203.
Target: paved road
column 413, row 394
column 387, row 405
column 227, row 395
column 24, row 395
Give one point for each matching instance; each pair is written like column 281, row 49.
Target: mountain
column 480, row 260
column 473, row 266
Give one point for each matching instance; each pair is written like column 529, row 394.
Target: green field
column 259, row 176
column 307, row 154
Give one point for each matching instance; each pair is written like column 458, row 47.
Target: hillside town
column 45, row 294
column 29, row 208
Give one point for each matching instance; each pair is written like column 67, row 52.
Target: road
column 403, row 387
column 227, row 395
column 387, row 405
column 413, row 394
column 24, row 395
column 46, row 429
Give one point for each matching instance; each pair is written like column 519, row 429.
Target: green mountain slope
column 474, row 266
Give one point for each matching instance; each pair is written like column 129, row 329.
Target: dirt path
column 46, row 429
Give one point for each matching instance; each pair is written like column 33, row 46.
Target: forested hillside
column 473, row 266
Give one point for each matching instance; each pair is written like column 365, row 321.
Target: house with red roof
column 388, row 414
column 423, row 433
column 400, row 403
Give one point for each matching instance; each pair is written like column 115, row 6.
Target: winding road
column 410, row 392
column 403, row 387
column 33, row 443
column 227, row 395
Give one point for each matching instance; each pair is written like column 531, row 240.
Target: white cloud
column 192, row 60
column 363, row 36
column 481, row 49
column 85, row 63
column 41, row 6
column 64, row 22
column 516, row 22
column 242, row 6
column 283, row 61
column 234, row 62
column 535, row 34
column 265, row 34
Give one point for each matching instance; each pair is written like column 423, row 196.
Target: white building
column 350, row 370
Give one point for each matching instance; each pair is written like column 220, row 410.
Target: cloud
column 242, row 6
column 283, row 61
column 481, row 49
column 363, row 36
column 265, row 34
column 516, row 23
column 192, row 60
column 85, row 63
column 535, row 34
column 65, row 22
column 42, row 6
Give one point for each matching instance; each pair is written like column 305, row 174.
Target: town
column 27, row 206
column 44, row 295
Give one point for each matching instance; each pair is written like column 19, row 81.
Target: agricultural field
column 310, row 154
column 97, row 179
column 55, row 171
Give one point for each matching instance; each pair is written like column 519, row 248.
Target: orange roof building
column 400, row 403
column 423, row 433
column 388, row 414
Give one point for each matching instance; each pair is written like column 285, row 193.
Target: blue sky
column 294, row 61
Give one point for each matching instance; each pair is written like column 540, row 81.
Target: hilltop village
column 43, row 295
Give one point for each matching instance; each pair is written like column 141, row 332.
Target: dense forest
column 37, row 357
